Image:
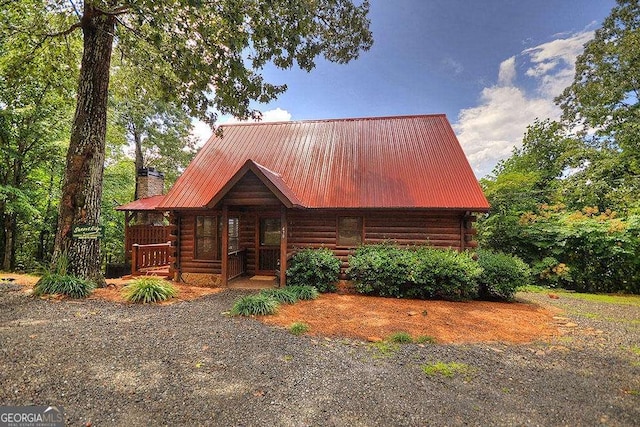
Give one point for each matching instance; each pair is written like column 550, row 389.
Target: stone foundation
column 201, row 279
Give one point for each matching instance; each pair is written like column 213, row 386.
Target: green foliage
column 63, row 284
column 299, row 328
column 383, row 348
column 304, row 292
column 425, row 339
column 314, row 267
column 420, row 272
column 283, row 295
column 148, row 289
column 502, row 275
column 400, row 338
column 254, row 305
column 445, row 369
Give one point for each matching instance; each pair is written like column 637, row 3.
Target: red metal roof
column 384, row 162
column 146, row 204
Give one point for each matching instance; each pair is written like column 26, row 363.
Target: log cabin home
column 257, row 192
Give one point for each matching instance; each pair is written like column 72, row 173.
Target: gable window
column 349, row 231
column 206, row 238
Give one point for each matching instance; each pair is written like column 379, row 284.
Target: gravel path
column 189, row 364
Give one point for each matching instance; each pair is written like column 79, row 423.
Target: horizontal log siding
column 250, row 191
column 187, row 246
column 317, row 229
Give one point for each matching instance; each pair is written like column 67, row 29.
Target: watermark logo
column 31, row 416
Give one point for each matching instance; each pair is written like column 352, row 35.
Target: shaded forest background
column 566, row 201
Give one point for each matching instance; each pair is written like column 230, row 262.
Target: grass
column 603, row 298
column 299, row 328
column 533, row 288
column 400, row 338
column 255, row 305
column 282, row 295
column 304, row 292
column 148, row 289
column 63, row 284
column 383, row 348
column 445, row 369
column 425, row 339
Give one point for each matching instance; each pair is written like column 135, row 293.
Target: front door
column 268, row 245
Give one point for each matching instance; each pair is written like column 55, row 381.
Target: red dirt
column 114, row 288
column 374, row 318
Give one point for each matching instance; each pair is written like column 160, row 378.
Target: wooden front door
column 268, row 251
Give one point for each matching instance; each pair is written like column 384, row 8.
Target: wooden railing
column 236, row 264
column 144, row 235
column 146, row 259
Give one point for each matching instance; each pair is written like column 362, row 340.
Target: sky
column 492, row 66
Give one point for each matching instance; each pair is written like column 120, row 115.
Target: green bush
column 314, row 267
column 502, row 275
column 283, row 295
column 255, row 305
column 65, row 284
column 387, row 270
column 303, row 292
column 148, row 289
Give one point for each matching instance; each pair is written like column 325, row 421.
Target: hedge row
column 419, row 272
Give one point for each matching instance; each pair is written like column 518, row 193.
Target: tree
column 36, row 100
column 158, row 129
column 207, row 55
column 605, row 95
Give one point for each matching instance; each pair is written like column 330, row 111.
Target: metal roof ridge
column 345, row 119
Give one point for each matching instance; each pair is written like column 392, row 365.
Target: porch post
column 225, row 245
column 283, row 246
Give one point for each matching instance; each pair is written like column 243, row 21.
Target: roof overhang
column 272, row 180
column 140, row 205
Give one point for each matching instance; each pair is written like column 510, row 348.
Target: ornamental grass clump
column 63, row 284
column 283, row 295
column 400, row 338
column 255, row 305
column 304, row 292
column 148, row 289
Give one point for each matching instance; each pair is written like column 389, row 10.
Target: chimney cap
column 150, row 171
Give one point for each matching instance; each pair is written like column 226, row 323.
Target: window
column 207, row 243
column 234, row 244
column 269, row 231
column 349, row 231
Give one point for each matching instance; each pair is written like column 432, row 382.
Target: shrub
column 304, row 292
column 298, row 328
column 502, row 275
column 255, row 305
column 315, row 267
column 387, row 270
column 400, row 338
column 65, row 284
column 148, row 289
column 282, row 295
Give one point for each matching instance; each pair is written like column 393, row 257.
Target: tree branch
column 65, row 32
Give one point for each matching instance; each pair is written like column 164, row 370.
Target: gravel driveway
column 189, row 364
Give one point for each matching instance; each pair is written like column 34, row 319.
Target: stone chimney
column 150, row 182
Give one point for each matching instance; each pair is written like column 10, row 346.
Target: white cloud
column 507, row 72
column 489, row 131
column 203, row 132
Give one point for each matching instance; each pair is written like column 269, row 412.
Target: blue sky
column 491, row 66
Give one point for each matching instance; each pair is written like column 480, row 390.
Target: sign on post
column 82, row 232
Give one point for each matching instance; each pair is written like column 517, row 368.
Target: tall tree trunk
column 8, row 262
column 139, row 161
column 82, row 185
